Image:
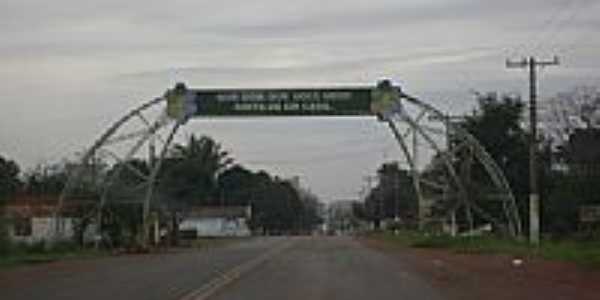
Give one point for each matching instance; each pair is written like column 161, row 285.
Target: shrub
column 5, row 243
column 64, row 247
column 35, row 248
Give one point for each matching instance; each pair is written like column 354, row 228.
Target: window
column 23, row 226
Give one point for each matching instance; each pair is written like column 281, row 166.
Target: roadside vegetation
column 197, row 173
column 16, row 254
column 585, row 253
column 568, row 161
column 569, row 182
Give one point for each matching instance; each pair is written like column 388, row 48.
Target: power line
column 555, row 23
column 547, row 23
column 574, row 43
column 560, row 27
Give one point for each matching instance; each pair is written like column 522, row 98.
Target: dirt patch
column 490, row 277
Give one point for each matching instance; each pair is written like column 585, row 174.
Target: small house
column 35, row 223
column 216, row 221
column 34, row 219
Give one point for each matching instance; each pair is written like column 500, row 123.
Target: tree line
column 568, row 161
column 196, row 173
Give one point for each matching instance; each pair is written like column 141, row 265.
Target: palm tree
column 192, row 169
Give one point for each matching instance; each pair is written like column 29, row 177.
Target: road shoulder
column 479, row 276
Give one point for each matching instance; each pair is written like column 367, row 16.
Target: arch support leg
column 152, row 183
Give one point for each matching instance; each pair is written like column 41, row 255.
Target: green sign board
column 351, row 101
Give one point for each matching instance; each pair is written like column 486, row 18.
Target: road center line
column 228, row 277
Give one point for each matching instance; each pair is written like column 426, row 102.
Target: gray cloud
column 69, row 68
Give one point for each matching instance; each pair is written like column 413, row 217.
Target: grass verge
column 13, row 260
column 22, row 254
column 583, row 253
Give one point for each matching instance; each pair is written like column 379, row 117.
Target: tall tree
column 190, row 172
column 9, row 178
column 573, row 124
column 498, row 125
column 395, row 193
column 9, row 183
column 575, row 183
column 278, row 206
column 578, row 108
column 45, row 180
column 238, row 185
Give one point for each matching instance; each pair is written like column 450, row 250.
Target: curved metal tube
column 411, row 163
column 514, row 221
column 153, row 175
column 90, row 152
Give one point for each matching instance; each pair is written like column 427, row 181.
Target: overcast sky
column 69, row 68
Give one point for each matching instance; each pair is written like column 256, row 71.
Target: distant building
column 32, row 219
column 583, row 152
column 341, row 219
column 216, row 221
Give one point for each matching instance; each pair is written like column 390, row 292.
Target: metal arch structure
column 130, row 133
column 445, row 180
column 455, row 152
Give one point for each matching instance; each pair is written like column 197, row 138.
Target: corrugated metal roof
column 40, row 206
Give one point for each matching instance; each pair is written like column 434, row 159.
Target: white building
column 31, row 223
column 341, row 219
column 216, row 221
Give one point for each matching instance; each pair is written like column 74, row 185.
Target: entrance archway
column 460, row 177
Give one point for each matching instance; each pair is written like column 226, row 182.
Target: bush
column 584, row 253
column 34, row 248
column 64, row 247
column 5, row 243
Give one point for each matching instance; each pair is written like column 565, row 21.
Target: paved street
column 145, row 277
column 329, row 268
column 309, row 268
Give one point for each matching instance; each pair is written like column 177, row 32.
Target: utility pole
column 151, row 163
column 380, row 212
column 422, row 206
column 396, row 200
column 534, row 200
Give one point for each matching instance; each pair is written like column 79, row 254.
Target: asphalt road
column 144, row 277
column 329, row 268
column 301, row 268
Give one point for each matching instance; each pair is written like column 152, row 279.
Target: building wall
column 43, row 228
column 216, row 227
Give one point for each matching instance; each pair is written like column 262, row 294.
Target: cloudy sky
column 68, row 68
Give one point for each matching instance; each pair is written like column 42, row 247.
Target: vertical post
column 99, row 215
column 151, row 152
column 151, row 163
column 396, row 200
column 534, row 198
column 156, row 230
column 396, row 203
column 413, row 170
column 453, row 229
column 152, row 182
column 369, row 180
column 415, row 156
column 534, row 201
column 380, row 200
